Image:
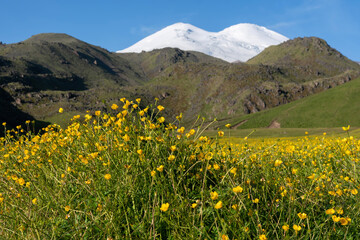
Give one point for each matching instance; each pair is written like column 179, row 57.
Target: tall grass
column 127, row 174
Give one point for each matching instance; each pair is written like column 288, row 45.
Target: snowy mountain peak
column 236, row 43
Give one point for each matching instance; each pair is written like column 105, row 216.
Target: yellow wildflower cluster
column 128, row 173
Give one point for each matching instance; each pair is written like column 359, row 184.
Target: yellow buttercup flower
column 296, row 227
column 256, row 200
column 219, row 205
column 224, row 237
column 161, row 119
column 61, row 110
column 221, row 133
column 67, row 208
column 237, row 189
column 34, row 201
column 330, row 211
column 160, row 168
column 346, row 128
column 160, row 108
column 164, row 207
column 278, row 163
column 302, row 215
column 344, row 221
column 335, row 218
column 216, row 166
column 262, row 237
column 214, row 195
column 354, row 191
column 285, row 227
column 228, row 125
column 107, row 176
column 114, row 106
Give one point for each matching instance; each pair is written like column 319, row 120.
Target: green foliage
column 126, row 174
column 332, row 108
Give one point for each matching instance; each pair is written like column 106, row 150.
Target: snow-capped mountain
column 236, row 43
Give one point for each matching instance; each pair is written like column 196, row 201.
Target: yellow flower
column 160, row 168
column 209, row 156
column 193, row 205
column 219, row 205
column 262, row 237
column 138, row 100
column 181, row 130
column 107, row 176
column 21, row 181
column 235, row 206
column 173, row 148
column 346, row 128
column 220, row 133
column 34, row 201
column 354, row 191
column 214, row 195
column 171, row 157
column 126, row 138
column 97, row 113
column 335, row 218
column 302, row 215
column 228, row 125
column 285, row 227
column 161, row 119
column 237, row 189
column 256, row 200
column 114, row 106
column 296, row 227
column 330, row 211
column 160, row 108
column 192, row 132
column 61, row 110
column 164, row 207
column 224, row 237
column 294, row 170
column 216, row 167
column 153, row 173
column 278, row 163
column 344, row 221
column 67, row 208
column 340, row 211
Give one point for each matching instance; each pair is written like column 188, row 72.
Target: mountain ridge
column 45, row 73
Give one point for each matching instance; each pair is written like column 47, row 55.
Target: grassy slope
column 333, row 108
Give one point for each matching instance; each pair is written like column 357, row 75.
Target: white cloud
column 281, row 25
column 144, row 30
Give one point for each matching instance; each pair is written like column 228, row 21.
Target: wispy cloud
column 144, row 30
column 282, row 25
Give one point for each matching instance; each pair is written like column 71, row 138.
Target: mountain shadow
column 14, row 116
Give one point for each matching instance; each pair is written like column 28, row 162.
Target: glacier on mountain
column 236, row 43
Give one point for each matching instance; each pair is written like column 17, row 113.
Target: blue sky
column 115, row 25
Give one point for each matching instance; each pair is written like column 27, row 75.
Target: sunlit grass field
column 129, row 174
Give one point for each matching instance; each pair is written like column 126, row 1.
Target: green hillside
column 49, row 71
column 332, row 108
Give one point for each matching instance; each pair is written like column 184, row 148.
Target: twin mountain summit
column 245, row 74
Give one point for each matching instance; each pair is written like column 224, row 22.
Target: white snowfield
column 236, row 43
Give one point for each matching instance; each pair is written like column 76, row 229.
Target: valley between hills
column 299, row 83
